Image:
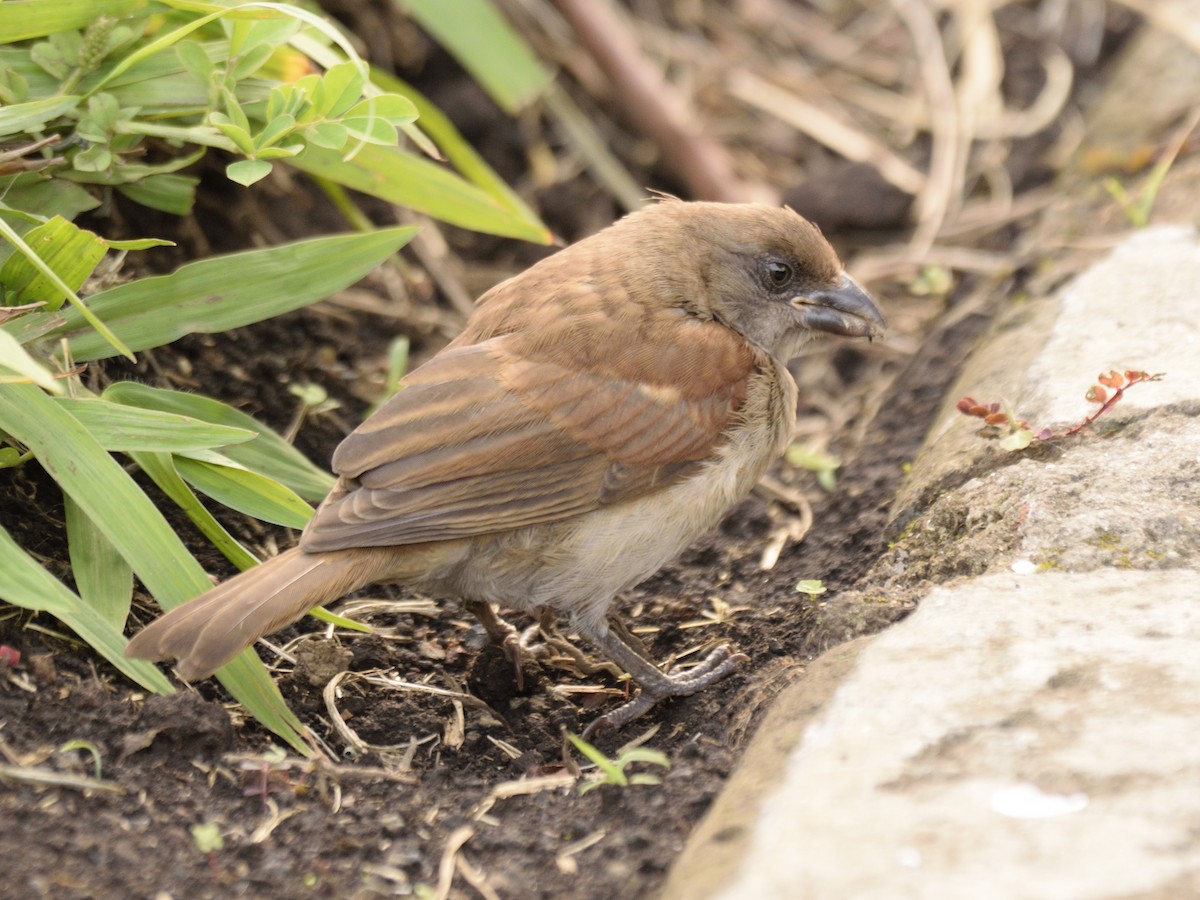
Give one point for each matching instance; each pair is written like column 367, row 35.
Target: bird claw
column 717, row 665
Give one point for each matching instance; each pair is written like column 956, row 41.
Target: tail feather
column 207, row 632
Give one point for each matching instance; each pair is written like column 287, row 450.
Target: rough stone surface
column 1019, row 736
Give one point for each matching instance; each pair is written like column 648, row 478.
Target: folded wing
column 497, row 435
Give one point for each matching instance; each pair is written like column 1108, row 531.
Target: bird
column 599, row 412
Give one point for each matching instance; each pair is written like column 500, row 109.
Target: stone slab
column 1018, row 736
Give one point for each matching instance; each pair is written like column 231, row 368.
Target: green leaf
column 812, row 587
column 400, row 177
column 173, row 194
column 193, row 58
column 104, row 579
column 393, row 107
column 373, row 131
column 341, row 86
column 108, row 496
column 251, row 61
column 138, row 243
column 70, row 251
column 239, row 134
column 31, row 117
column 645, row 755
column 207, row 837
column 1015, row 440
column 330, row 135
column 268, row 454
column 274, row 131
column 21, row 20
column 487, row 46
column 225, row 292
column 248, row 171
column 84, row 314
column 118, row 427
column 246, row 491
column 96, row 158
column 161, row 469
column 22, row 367
column 24, row 583
column 281, row 152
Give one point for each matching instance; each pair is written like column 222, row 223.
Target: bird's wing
column 518, row 431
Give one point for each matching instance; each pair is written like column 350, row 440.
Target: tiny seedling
column 612, row 771
column 813, row 587
column 207, row 837
column 823, row 465
column 87, row 747
column 1017, row 434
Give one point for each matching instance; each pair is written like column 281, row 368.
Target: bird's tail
column 207, row 632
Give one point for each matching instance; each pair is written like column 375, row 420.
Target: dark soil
column 375, row 823
column 429, row 803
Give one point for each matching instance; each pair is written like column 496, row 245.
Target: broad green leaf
column 274, row 131
column 104, row 579
column 31, row 116
column 70, row 251
column 24, row 583
column 174, row 194
column 118, row 427
column 161, row 469
column 21, row 20
column 330, row 135
column 340, row 88
column 400, row 177
column 193, row 58
column 373, row 131
column 247, row 171
column 246, row 491
column 16, row 365
column 84, row 314
column 251, row 61
column 224, row 292
column 110, row 498
column 486, row 45
column 268, row 454
column 234, row 130
column 393, row 107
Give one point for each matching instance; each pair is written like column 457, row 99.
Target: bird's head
column 763, row 271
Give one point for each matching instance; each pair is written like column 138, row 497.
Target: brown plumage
column 599, row 412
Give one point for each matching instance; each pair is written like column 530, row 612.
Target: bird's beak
column 846, row 310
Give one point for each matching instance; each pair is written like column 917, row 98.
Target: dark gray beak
column 846, row 310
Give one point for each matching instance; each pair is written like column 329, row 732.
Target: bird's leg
column 656, row 685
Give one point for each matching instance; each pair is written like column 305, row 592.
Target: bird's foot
column 541, row 643
column 657, row 685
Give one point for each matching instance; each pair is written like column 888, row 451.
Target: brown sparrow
column 599, row 412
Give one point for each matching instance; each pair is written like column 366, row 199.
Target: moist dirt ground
column 381, row 821
column 436, row 792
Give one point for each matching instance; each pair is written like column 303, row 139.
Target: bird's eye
column 777, row 274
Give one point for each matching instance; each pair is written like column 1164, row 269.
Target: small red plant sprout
column 1013, row 434
column 1017, row 434
column 1118, row 383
